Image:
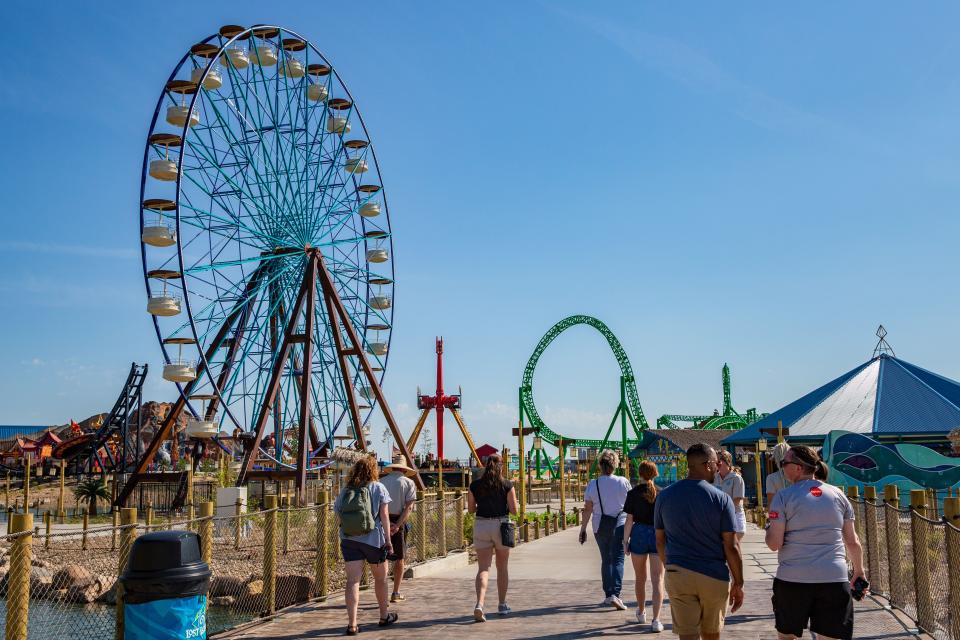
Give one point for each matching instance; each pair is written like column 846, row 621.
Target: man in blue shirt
column 697, row 543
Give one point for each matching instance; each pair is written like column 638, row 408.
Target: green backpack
column 356, row 512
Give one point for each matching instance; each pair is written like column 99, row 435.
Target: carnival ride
column 112, row 447
column 628, row 409
column 267, row 253
column 440, row 402
column 728, row 419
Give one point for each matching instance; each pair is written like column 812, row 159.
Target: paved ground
column 554, row 592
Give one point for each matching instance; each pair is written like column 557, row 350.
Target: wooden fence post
column 18, row 577
column 46, row 529
column 206, row 531
column 270, row 554
column 238, row 523
column 128, row 519
column 951, row 515
column 926, row 617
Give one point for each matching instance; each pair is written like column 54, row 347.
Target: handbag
column 508, row 533
column 608, row 524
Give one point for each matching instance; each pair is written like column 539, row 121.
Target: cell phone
column 583, row 537
column 859, row 588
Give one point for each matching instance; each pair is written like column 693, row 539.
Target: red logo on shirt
column 816, row 492
column 773, row 515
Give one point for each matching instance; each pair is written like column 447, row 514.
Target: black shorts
column 828, row 606
column 353, row 551
column 398, row 540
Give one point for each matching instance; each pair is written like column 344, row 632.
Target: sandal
column 352, row 631
column 389, row 620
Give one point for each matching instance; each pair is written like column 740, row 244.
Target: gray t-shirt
column 813, row 549
column 378, row 496
column 401, row 489
column 733, row 486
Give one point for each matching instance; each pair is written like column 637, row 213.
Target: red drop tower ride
column 440, row 402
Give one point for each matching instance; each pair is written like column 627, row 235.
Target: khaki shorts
column 698, row 603
column 486, row 534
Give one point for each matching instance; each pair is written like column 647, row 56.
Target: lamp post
column 761, row 516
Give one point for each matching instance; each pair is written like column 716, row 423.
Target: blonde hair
column 724, row 455
column 648, row 471
column 363, row 472
column 608, row 461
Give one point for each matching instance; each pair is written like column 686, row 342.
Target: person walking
column 731, row 483
column 811, row 528
column 641, row 544
column 603, row 509
column 403, row 494
column 362, row 509
column 491, row 498
column 778, row 479
column 696, row 539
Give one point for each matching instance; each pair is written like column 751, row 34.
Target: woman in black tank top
column 491, row 498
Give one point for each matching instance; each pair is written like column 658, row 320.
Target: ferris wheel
column 267, row 248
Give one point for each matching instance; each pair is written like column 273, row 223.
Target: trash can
column 165, row 588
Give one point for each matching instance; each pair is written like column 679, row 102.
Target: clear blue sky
column 753, row 184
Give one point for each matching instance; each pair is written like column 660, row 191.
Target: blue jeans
column 611, row 561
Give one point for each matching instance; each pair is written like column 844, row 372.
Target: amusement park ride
column 266, row 245
column 440, row 402
column 628, row 409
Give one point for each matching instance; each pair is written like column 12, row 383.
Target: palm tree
column 89, row 491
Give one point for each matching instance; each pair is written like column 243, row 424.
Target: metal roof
column 884, row 395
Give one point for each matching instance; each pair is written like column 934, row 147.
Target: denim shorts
column 643, row 539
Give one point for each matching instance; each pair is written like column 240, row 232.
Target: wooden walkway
column 555, row 593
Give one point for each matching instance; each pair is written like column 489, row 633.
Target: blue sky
column 753, row 184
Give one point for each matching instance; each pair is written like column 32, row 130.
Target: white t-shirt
column 733, row 486
column 613, row 492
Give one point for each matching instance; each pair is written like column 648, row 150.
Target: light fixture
column 537, row 443
column 762, row 444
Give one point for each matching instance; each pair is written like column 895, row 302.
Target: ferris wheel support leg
column 412, row 442
column 334, row 303
column 289, row 337
column 466, row 436
column 305, row 414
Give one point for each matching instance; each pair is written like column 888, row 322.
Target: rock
column 292, row 589
column 40, row 587
column 39, row 563
column 251, row 596
column 252, row 588
column 83, row 595
column 223, row 601
column 226, row 585
column 73, row 576
column 109, row 596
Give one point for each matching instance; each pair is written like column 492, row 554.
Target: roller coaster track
column 631, row 396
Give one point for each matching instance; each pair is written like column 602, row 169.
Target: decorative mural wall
column 855, row 459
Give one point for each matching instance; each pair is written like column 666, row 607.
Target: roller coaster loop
column 629, row 408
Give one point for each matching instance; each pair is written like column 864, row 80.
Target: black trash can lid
column 175, row 553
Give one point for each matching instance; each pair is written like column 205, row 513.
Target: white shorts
column 741, row 524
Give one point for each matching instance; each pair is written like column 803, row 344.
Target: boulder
column 293, row 589
column 73, row 576
column 226, row 585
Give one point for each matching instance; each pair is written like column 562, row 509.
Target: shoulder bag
column 608, row 524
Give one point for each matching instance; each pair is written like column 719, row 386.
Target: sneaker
column 397, row 597
column 503, row 608
column 656, row 626
column 478, row 615
column 618, row 603
column 641, row 616
column 607, row 602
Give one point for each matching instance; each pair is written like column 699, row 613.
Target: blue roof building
column 885, row 398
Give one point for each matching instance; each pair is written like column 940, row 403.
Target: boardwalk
column 555, row 592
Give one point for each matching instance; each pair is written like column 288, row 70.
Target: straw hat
column 399, row 466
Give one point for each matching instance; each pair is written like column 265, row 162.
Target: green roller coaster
column 729, row 419
column 628, row 410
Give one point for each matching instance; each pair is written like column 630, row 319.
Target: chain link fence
column 63, row 585
column 913, row 557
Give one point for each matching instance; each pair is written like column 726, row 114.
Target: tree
column 90, row 491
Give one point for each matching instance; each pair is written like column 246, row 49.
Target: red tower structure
column 440, row 402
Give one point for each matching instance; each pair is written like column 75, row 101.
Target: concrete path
column 555, row 593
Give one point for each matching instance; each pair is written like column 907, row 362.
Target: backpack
column 356, row 512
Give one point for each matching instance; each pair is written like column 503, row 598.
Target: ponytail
column 648, row 471
column 822, row 472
